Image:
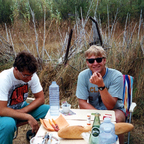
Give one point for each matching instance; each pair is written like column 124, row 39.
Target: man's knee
column 120, row 116
column 7, row 129
column 40, row 112
column 46, row 108
column 9, row 125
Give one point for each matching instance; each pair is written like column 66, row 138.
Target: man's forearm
column 84, row 105
column 9, row 112
column 39, row 100
column 107, row 99
column 32, row 106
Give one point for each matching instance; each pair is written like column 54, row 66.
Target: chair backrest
column 127, row 92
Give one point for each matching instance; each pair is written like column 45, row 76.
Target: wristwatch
column 101, row 88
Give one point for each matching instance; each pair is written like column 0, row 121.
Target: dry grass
column 129, row 60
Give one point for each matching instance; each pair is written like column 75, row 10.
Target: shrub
column 67, row 8
column 124, row 7
column 5, row 11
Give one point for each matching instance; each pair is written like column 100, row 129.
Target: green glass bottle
column 94, row 136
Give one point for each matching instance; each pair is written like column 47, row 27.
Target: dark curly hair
column 26, row 61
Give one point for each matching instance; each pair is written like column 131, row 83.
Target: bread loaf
column 73, row 132
column 121, row 128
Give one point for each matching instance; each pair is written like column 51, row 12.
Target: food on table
column 73, row 132
column 59, row 123
column 121, row 128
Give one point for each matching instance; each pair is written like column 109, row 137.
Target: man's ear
column 104, row 60
column 16, row 68
column 87, row 62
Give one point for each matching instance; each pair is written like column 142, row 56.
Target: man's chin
column 26, row 81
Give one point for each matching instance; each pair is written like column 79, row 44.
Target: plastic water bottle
column 107, row 132
column 107, row 123
column 54, row 99
column 107, row 137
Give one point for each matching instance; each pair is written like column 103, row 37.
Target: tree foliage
column 5, row 11
column 122, row 7
column 10, row 10
column 68, row 8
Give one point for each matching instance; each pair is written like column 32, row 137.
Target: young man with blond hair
column 102, row 86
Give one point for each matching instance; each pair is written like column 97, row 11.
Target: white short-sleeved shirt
column 15, row 91
column 113, row 81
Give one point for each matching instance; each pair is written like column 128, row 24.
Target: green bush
column 38, row 7
column 5, row 11
column 67, row 8
column 123, row 6
column 21, row 10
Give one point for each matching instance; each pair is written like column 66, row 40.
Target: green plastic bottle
column 94, row 136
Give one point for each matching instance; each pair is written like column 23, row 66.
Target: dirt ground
column 136, row 136
column 21, row 137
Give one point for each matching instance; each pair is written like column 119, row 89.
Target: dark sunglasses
column 98, row 60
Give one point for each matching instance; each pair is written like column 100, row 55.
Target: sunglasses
column 98, row 60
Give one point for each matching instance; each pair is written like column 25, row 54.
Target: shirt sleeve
column 4, row 88
column 116, row 87
column 82, row 88
column 35, row 84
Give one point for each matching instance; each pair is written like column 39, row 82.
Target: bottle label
column 95, row 132
column 88, row 119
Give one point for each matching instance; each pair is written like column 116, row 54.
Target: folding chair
column 21, row 123
column 127, row 99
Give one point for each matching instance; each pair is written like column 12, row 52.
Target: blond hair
column 96, row 51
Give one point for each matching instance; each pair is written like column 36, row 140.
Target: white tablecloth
column 80, row 118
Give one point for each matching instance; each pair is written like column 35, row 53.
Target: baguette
column 121, row 128
column 73, row 132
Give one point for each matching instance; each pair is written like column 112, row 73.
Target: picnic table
column 79, row 117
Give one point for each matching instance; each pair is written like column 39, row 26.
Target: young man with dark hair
column 14, row 87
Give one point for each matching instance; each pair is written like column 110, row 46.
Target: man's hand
column 107, row 99
column 33, row 123
column 97, row 79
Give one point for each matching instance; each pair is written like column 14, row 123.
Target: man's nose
column 95, row 62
